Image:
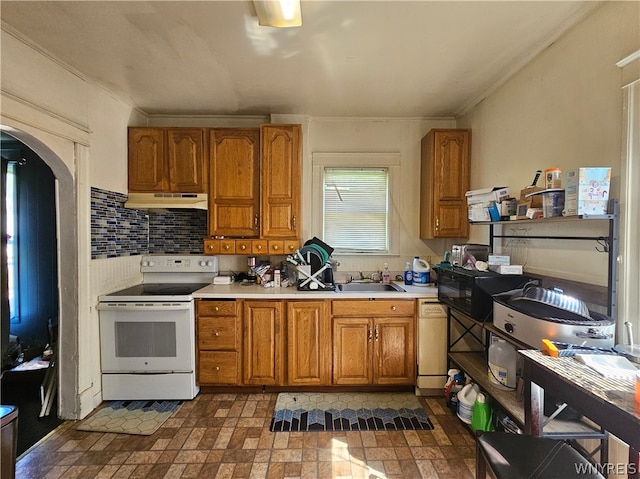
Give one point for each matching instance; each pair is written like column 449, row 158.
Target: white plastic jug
column 421, row 272
column 466, row 399
column 502, row 365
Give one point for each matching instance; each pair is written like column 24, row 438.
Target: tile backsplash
column 119, row 231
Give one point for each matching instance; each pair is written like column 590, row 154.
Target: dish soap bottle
column 408, row 274
column 386, row 275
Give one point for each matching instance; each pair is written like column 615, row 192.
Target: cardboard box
column 587, row 191
column 535, row 201
column 506, row 268
column 487, row 195
column 484, row 212
column 499, row 259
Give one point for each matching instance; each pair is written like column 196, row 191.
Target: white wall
column 562, row 109
column 84, row 131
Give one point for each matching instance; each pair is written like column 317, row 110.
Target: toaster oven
column 461, row 252
column 471, row 292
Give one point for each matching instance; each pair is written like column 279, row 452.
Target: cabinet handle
column 393, row 308
column 210, row 247
column 256, row 222
column 293, row 222
column 217, row 368
column 243, row 247
column 216, row 333
column 217, row 308
column 259, row 247
column 275, row 247
column 377, row 332
column 226, row 247
column 437, row 223
column 370, row 334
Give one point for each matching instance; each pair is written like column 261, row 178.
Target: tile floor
column 227, row 436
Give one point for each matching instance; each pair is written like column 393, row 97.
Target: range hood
column 145, row 201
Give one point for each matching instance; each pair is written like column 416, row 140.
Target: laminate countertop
column 256, row 291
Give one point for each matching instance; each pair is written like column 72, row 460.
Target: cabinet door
column 234, row 182
column 263, row 343
column 394, row 351
column 185, row 156
column 444, row 182
column 280, row 181
column 352, row 346
column 147, row 167
column 308, row 343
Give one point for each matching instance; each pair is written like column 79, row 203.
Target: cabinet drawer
column 216, row 308
column 276, row 247
column 218, row 333
column 258, row 247
column 290, row 246
column 243, row 246
column 219, row 367
column 379, row 307
column 211, row 246
column 227, row 246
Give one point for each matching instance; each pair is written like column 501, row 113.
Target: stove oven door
column 147, row 337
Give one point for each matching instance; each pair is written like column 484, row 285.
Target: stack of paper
column 609, row 365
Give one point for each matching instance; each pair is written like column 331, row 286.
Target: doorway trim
column 68, row 293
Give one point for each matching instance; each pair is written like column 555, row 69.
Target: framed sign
column 521, row 211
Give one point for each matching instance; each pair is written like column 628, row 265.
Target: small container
column 552, row 203
column 386, row 275
column 553, row 177
column 482, row 415
column 638, row 387
column 276, row 278
column 408, row 274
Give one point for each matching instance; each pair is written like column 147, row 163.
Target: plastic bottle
column 421, row 272
column 502, row 365
column 482, row 415
column 386, row 275
column 466, row 400
column 458, row 384
column 449, row 384
column 408, row 274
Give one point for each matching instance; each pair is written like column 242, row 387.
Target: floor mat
column 130, row 417
column 348, row 412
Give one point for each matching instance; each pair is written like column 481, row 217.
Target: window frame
column 358, row 160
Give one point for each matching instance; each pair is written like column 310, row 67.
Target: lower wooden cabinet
column 219, row 339
column 308, row 343
column 374, row 342
column 263, row 343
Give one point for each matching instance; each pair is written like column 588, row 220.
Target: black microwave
column 471, row 292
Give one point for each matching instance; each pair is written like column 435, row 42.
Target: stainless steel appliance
column 432, row 347
column 533, row 314
column 460, row 253
column 147, row 331
column 470, row 291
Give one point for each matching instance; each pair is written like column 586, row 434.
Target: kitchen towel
column 130, row 417
column 348, row 412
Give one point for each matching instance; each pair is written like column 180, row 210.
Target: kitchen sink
column 368, row 288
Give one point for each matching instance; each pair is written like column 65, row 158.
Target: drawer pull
column 216, row 333
column 393, row 308
column 217, row 368
column 377, row 335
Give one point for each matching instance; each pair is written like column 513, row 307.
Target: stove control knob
column 203, row 263
column 508, row 327
column 151, row 263
column 209, row 263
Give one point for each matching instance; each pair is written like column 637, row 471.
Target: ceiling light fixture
column 278, row 13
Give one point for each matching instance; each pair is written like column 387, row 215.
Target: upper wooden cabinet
column 254, row 184
column 234, row 183
column 167, row 160
column 280, row 180
column 444, row 182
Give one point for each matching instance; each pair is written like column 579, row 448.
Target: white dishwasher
column 432, row 347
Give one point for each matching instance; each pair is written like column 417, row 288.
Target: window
column 355, row 198
column 12, row 229
column 356, row 209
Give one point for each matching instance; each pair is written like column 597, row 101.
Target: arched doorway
column 66, row 223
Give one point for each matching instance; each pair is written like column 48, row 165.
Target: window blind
column 356, row 209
